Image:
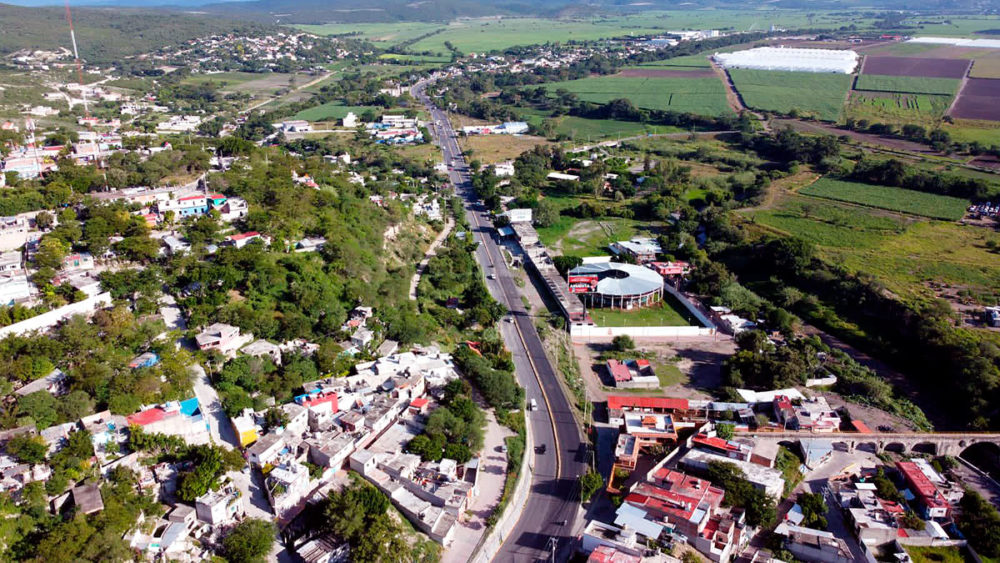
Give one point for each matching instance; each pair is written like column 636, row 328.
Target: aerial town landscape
column 310, row 280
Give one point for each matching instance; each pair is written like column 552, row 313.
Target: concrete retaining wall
column 50, row 319
column 490, row 545
column 579, row 332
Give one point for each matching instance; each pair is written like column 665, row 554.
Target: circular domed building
column 616, row 285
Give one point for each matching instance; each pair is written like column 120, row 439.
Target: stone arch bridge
column 935, row 443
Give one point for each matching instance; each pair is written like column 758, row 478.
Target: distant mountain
column 106, row 34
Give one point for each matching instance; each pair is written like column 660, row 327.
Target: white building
column 781, row 58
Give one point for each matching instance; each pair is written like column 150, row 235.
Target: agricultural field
column 666, row 313
column 886, row 197
column 332, row 111
column 907, row 84
column 952, row 26
column 822, row 95
column 901, row 49
column 985, row 68
column 224, row 79
column 977, row 100
column 687, row 61
column 428, row 59
column 884, row 107
column 703, row 95
column 385, row 34
column 965, row 131
column 915, row 66
column 904, row 253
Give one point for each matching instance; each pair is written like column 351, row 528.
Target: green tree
column 27, row 448
column 249, row 541
column 622, row 343
column 590, row 483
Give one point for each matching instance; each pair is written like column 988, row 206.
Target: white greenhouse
column 958, row 42
column 781, row 58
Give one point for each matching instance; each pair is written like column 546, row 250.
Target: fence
column 50, row 319
column 589, row 331
column 494, row 538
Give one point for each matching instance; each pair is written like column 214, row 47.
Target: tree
column 44, row 220
column 622, row 343
column 724, row 431
column 249, row 541
column 546, row 214
column 566, row 263
column 590, row 483
column 814, row 510
column 980, row 523
column 29, row 449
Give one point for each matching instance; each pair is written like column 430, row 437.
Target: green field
column 904, row 253
column 951, row 26
column 886, row 197
column 703, row 96
column 224, row 79
column 387, row 33
column 589, row 237
column 667, row 313
column 821, row 95
column 332, row 110
column 583, row 129
column 679, row 63
column 884, row 107
column 907, row 84
column 429, row 59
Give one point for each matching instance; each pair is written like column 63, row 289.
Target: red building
column 932, row 502
column 313, row 400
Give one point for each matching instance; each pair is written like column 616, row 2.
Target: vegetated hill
column 104, row 34
column 356, row 11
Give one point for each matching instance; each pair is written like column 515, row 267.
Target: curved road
column 551, row 516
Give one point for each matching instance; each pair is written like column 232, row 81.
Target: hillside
column 104, row 34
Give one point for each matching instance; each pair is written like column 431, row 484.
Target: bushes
column 498, row 387
column 980, row 523
column 590, row 483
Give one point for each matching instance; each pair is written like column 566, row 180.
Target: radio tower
column 83, row 92
column 76, row 56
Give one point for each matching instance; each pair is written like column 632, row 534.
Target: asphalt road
column 551, row 516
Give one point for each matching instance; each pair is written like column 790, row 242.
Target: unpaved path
column 431, row 251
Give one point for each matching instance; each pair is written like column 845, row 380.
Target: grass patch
column 938, row 554
column 387, row 33
column 808, row 93
column 907, row 84
column 885, row 197
column 788, row 463
column 680, row 63
column 428, row 59
column 583, row 129
column 666, row 313
column 575, row 237
column 223, row 79
column 703, row 95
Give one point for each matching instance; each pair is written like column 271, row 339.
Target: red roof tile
column 616, row 402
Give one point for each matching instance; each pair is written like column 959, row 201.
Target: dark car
column 540, row 449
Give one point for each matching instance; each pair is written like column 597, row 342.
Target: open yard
column 904, row 253
column 907, row 84
column 583, row 129
column 886, row 197
column 699, row 95
column 667, row 313
column 822, row 95
column 590, row 237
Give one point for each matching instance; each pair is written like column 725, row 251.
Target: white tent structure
column 958, row 42
column 781, row 58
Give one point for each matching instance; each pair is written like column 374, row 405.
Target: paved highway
column 551, row 516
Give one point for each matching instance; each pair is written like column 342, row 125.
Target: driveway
column 219, row 426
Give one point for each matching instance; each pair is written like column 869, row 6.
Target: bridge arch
column 895, row 447
column 985, row 449
column 870, row 447
column 930, row 448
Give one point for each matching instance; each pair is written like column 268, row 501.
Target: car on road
column 492, row 277
column 540, row 449
column 533, row 405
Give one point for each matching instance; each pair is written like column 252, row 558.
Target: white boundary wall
column 50, row 319
column 584, row 331
column 490, row 544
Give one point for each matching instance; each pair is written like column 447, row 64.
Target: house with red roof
column 618, row 405
column 186, row 206
column 686, row 502
column 932, row 502
column 242, row 239
column 633, row 374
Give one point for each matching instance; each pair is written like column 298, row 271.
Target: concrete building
column 219, row 336
column 633, row 374
column 641, row 249
column 763, row 478
column 266, row 449
column 245, row 429
column 183, row 419
column 263, row 349
column 218, row 508
column 932, row 503
column 684, row 501
column 186, row 206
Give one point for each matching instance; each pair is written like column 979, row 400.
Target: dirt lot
column 914, row 66
column 664, row 73
column 490, row 149
column 700, row 363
